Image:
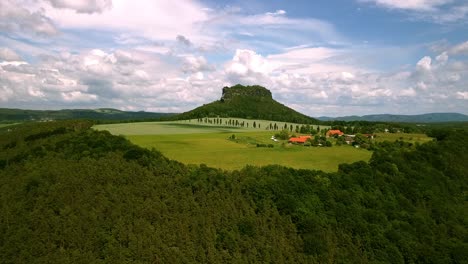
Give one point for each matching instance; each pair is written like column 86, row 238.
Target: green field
column 191, row 127
column 193, row 143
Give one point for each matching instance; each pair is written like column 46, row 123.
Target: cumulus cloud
column 460, row 49
column 424, row 64
column 429, row 85
column 194, row 64
column 15, row 18
column 126, row 79
column 83, row 6
column 248, row 67
column 7, row 54
column 131, row 79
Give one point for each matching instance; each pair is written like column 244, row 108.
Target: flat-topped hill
column 246, row 91
column 252, row 102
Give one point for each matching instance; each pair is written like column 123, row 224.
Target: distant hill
column 10, row 115
column 252, row 102
column 424, row 118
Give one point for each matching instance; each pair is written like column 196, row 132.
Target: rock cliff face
column 245, row 91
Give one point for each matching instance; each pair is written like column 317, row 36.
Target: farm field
column 191, row 143
column 191, row 126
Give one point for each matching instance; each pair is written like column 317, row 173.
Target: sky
column 322, row 58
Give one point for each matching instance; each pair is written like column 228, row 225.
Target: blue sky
column 331, row 58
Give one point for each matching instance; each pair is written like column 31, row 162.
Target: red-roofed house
column 332, row 133
column 300, row 139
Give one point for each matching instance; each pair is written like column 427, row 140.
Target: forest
column 71, row 194
column 103, row 115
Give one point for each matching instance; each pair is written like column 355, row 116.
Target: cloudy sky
column 321, row 57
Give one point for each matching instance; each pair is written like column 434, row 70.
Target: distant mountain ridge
column 423, row 118
column 251, row 102
column 10, row 114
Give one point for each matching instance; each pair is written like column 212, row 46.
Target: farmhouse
column 331, row 133
column 299, row 140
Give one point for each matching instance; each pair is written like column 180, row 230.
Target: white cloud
column 7, row 54
column 127, row 79
column 276, row 13
column 16, row 18
column 78, row 97
column 424, row 5
column 442, row 58
column 245, row 61
column 460, row 49
column 131, row 79
column 83, row 6
column 407, row 92
column 424, row 64
column 429, row 85
column 462, row 95
column 439, row 11
column 194, row 64
column 162, row 20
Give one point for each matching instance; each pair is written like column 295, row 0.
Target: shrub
column 283, row 135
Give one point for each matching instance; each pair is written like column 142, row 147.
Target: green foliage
column 283, row 134
column 69, row 194
column 103, row 115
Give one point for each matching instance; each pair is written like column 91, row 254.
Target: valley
column 194, row 142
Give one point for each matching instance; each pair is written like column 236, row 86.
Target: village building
column 299, row 140
column 331, row 133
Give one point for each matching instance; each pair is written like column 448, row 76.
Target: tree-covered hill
column 252, row 102
column 423, row 118
column 69, row 194
column 20, row 115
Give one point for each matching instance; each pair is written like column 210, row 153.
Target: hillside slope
column 252, row 102
column 9, row 114
column 424, row 118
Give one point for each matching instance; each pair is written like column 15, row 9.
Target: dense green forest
column 69, row 194
column 102, row 114
column 251, row 102
column 423, row 118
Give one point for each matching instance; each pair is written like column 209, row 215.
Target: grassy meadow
column 192, row 142
column 192, row 127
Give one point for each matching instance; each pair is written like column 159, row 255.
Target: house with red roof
column 299, row 140
column 331, row 133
